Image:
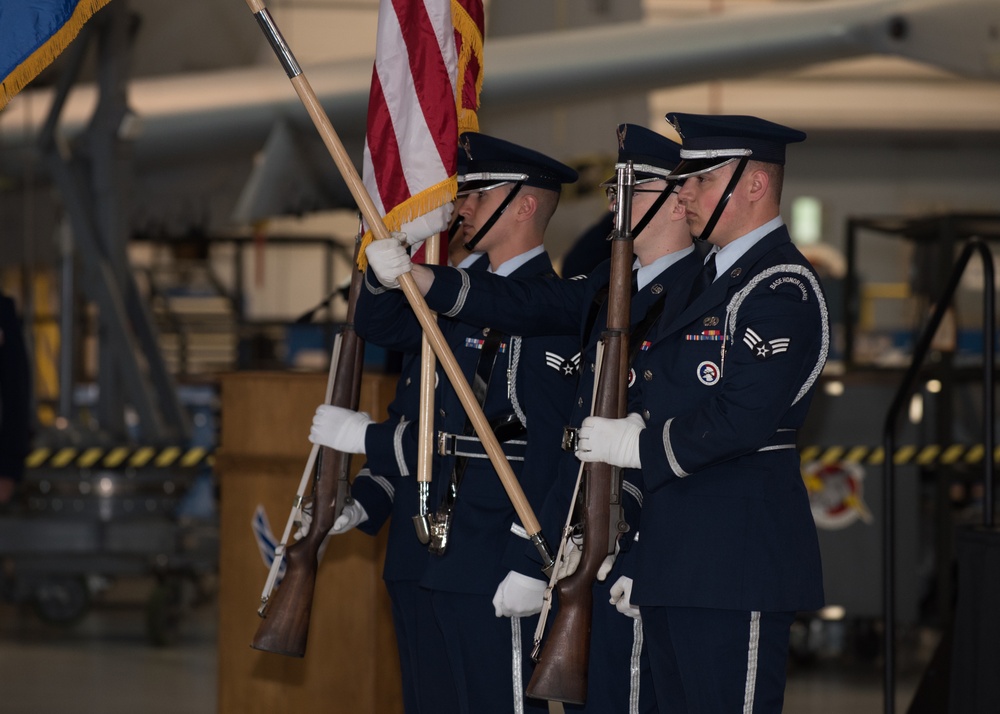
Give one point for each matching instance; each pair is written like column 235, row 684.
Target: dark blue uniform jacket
column 530, row 381
column 726, row 520
column 560, row 307
column 386, row 486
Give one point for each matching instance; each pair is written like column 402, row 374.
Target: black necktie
column 705, row 278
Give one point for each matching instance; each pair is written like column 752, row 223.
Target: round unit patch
column 631, row 377
column 708, row 373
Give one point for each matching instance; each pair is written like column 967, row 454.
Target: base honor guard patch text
column 761, row 348
column 789, row 280
column 566, row 367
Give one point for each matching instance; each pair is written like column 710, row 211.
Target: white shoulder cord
column 732, row 311
column 514, row 361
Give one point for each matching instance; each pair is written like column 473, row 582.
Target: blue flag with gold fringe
column 34, row 33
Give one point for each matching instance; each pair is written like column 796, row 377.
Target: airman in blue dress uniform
column 511, row 192
column 728, row 549
column 666, row 264
column 385, row 491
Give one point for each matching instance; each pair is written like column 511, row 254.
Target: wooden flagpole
column 406, row 282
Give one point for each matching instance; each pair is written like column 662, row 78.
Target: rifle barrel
column 561, row 672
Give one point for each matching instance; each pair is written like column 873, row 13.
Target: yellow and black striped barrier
column 909, row 454
column 136, row 457
column 118, row 457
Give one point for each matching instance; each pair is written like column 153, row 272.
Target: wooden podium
column 351, row 663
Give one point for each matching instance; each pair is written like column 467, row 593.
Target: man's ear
column 527, row 206
column 757, row 186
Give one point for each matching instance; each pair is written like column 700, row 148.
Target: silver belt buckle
column 569, row 438
column 443, row 438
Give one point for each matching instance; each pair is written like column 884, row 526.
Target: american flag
column 424, row 93
column 32, row 34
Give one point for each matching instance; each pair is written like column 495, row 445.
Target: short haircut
column 547, row 201
column 775, row 174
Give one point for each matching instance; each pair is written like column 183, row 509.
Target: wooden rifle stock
column 285, row 628
column 561, row 672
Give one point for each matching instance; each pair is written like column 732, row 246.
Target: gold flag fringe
column 472, row 45
column 413, row 207
column 42, row 57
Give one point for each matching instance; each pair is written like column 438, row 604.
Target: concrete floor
column 104, row 664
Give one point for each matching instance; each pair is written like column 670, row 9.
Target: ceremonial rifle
column 406, row 282
column 561, row 672
column 285, row 628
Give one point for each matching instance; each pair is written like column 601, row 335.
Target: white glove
column 621, row 597
column 608, row 564
column 431, row 223
column 570, row 560
column 339, row 428
column 388, row 259
column 610, row 441
column 354, row 514
column 519, row 596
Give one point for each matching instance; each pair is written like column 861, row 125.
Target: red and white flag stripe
column 413, row 111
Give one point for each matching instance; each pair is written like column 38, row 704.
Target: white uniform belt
column 781, row 439
column 472, row 448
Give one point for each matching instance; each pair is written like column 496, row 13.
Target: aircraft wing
column 224, row 118
column 959, row 36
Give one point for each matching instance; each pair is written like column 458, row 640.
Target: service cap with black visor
column 491, row 163
column 713, row 141
column 654, row 157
